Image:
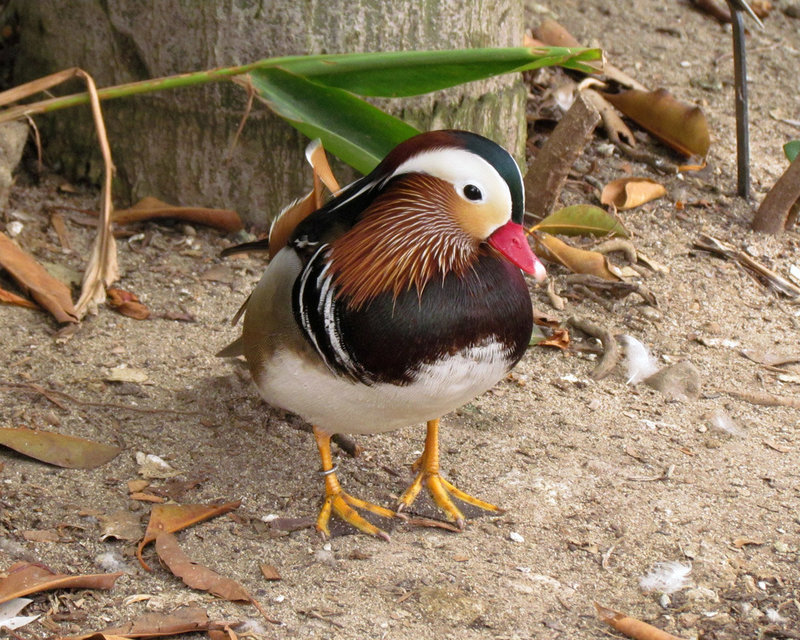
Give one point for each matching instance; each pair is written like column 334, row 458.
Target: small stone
column 324, row 556
column 781, row 547
column 688, row 620
column 515, row 537
column 14, row 228
column 679, row 381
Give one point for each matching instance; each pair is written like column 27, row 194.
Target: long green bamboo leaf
column 374, row 74
column 397, row 74
column 350, row 128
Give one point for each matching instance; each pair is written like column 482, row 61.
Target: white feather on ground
column 666, row 577
column 640, row 363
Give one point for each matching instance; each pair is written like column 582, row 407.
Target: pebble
column 515, row 537
column 14, row 228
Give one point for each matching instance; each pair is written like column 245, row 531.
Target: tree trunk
column 174, row 144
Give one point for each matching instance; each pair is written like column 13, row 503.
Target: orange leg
column 427, row 468
column 339, row 502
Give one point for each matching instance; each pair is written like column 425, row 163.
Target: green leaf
column 582, row 219
column 350, row 128
column 393, row 74
column 792, row 149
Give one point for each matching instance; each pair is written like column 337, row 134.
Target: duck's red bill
column 510, row 241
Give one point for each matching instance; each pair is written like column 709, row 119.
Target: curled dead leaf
column 559, row 339
column 25, row 578
column 12, row 298
column 631, row 627
column 153, row 625
column 174, row 517
column 127, row 304
column 627, row 193
column 196, row 575
column 577, row 260
column 680, row 126
column 51, row 294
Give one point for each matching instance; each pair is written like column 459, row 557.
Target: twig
column 313, row 614
column 49, row 393
column 655, row 162
column 765, row 399
column 607, row 555
column 777, row 282
column 611, row 351
column 616, row 289
column 12, row 633
column 261, row 610
column 617, row 244
column 555, row 300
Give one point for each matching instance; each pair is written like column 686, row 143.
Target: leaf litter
column 58, row 449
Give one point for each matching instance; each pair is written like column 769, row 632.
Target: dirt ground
column 601, row 480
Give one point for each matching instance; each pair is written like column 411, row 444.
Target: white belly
column 339, row 405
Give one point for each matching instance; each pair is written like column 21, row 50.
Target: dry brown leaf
column 195, row 575
column 134, row 486
column 41, row 535
column 744, row 542
column 269, row 572
column 60, row 227
column 101, row 269
column 25, row 578
column 680, row 126
column 577, row 260
column 152, row 625
column 632, row 627
column 146, row 497
column 558, row 339
column 53, row 295
column 627, row 193
column 12, row 298
column 169, row 518
column 150, row 208
column 127, row 304
column 58, row 449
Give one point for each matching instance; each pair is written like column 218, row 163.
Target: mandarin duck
column 394, row 303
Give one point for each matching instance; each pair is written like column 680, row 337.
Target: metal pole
column 742, row 126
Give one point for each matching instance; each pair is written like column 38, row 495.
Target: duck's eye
column 471, row 192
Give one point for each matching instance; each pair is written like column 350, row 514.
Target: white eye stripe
column 460, row 167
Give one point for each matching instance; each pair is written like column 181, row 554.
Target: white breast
column 339, row 405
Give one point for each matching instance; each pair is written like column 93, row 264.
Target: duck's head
column 478, row 183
